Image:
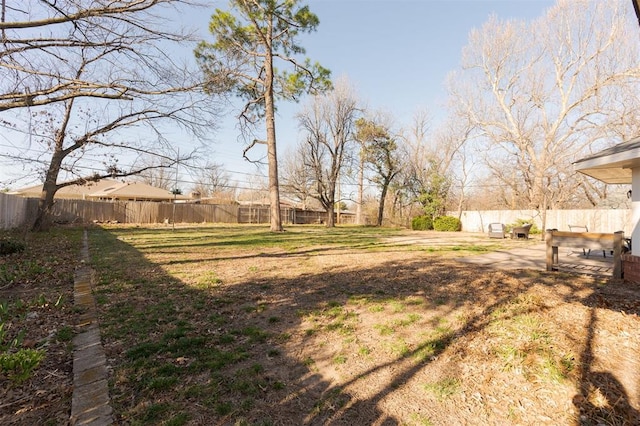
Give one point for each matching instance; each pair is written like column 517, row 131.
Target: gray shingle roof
column 614, row 164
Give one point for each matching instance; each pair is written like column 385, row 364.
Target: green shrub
column 8, row 246
column 421, row 223
column 447, row 223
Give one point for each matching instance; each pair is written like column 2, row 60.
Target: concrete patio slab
column 510, row 254
column 534, row 257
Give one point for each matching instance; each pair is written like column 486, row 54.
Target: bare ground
column 36, row 295
column 349, row 336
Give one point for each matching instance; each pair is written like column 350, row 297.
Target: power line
column 240, row 184
column 100, row 158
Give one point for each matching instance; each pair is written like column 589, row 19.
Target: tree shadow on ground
column 247, row 352
column 601, row 398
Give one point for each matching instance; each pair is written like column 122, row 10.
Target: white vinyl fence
column 608, row 220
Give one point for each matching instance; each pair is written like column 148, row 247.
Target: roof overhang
column 612, row 165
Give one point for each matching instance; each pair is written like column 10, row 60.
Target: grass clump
column 207, row 280
column 384, row 329
column 524, row 345
column 340, row 359
column 18, row 366
column 65, row 334
column 444, row 388
column 16, row 363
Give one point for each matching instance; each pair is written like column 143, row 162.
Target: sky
column 396, row 54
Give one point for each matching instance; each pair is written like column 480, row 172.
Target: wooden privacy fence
column 83, row 211
column 587, row 241
column 16, row 212
column 70, row 211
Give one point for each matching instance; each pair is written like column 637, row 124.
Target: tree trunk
column 383, row 195
column 359, row 220
column 272, row 157
column 544, row 215
column 331, row 223
column 330, row 204
column 43, row 219
column 49, row 188
column 460, row 202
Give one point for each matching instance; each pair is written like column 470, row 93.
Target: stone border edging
column 90, row 404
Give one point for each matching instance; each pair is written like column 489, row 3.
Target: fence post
column 617, row 254
column 552, row 251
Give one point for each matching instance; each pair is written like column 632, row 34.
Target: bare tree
column 380, row 153
column 298, row 179
column 434, row 160
column 157, row 172
column 104, row 71
column 360, row 182
column 41, row 40
column 328, row 123
column 212, row 180
column 247, row 42
column 540, row 95
column 450, row 149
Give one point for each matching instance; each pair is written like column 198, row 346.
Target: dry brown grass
column 237, row 326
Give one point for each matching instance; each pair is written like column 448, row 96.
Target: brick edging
column 90, row 404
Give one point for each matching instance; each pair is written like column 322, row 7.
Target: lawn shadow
column 601, row 397
column 247, row 354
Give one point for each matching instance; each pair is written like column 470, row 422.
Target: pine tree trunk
column 272, row 156
column 359, row 219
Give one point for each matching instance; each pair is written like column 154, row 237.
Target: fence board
column 16, row 212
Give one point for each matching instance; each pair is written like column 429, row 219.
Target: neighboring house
column 107, row 190
column 285, row 203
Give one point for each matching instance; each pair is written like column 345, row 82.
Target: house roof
column 71, row 191
column 137, row 190
column 612, row 165
column 107, row 188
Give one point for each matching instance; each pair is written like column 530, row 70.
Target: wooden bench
column 586, row 240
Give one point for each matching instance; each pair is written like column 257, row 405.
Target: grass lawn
column 236, row 325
